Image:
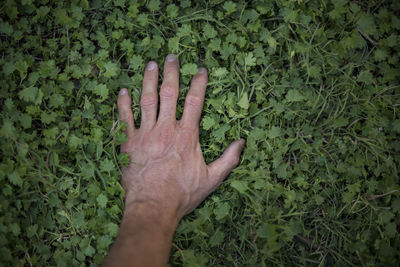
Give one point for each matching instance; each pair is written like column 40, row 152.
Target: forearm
column 144, row 239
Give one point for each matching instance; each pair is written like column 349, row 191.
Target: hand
column 167, row 176
column 166, row 167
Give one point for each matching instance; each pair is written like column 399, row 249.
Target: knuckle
column 124, row 113
column 200, row 78
column 167, row 91
column 126, row 116
column 235, row 160
column 148, row 79
column 148, row 101
column 193, row 100
column 231, row 160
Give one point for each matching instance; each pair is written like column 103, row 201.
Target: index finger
column 194, row 100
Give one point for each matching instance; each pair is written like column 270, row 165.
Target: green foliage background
column 312, row 85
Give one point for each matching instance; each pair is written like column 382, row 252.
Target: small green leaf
column 189, row 69
column 294, row 96
column 244, row 101
column 153, row 5
column 229, row 7
column 15, row 179
column 136, row 62
column 221, row 210
column 250, row 60
column 266, row 230
column 219, row 72
column 217, row 238
column 89, row 251
column 172, row 11
column 102, row 91
column 274, row 132
column 31, row 94
column 208, row 122
column 219, row 134
column 240, row 186
column 106, row 165
column 74, row 141
column 102, row 200
column 111, row 69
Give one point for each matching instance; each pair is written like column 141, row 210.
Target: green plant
column 312, row 85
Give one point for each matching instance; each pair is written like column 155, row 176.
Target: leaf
column 26, row 121
column 136, row 62
column 219, row 134
column 250, row 60
column 294, row 96
column 112, row 229
column 22, row 67
column 229, row 7
column 266, row 230
column 15, row 179
column 56, row 100
column 221, row 211
column 340, row 122
column 314, row 71
column 74, row 141
column 89, row 251
column 208, row 122
column 102, row 200
column 184, row 30
column 365, row 76
column 240, row 186
column 31, row 94
column 111, row 69
column 189, row 69
column 244, row 101
column 127, row 45
column 154, row 5
column 209, row 32
column 6, row 28
column 15, row 229
column 396, row 126
column 274, row 132
column 391, row 230
column 107, row 165
column 104, row 242
column 31, row 230
column 214, row 44
column 217, row 238
column 172, row 11
column 271, row 42
column 281, row 171
column 219, row 72
column 173, row 44
column 367, row 24
column 102, row 91
column 133, row 10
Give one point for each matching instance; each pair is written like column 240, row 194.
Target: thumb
column 220, row 168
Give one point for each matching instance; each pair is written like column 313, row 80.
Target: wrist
column 151, row 215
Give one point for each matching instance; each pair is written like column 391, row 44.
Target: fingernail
column 242, row 142
column 202, row 70
column 151, row 65
column 170, row 57
column 123, row 91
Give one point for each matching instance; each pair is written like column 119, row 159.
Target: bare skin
column 167, row 177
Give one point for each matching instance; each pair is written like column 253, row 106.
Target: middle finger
column 169, row 90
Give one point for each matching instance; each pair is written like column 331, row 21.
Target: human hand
column 167, row 172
